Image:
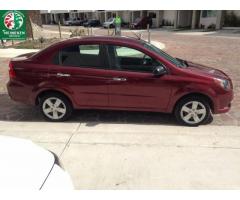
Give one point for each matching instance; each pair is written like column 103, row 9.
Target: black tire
column 184, row 101
column 68, row 106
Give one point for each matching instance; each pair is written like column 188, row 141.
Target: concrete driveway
column 128, row 156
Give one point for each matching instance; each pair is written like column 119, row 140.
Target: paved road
column 128, row 156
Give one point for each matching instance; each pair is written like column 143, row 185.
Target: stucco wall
column 232, row 18
column 184, row 18
column 125, row 15
column 208, row 21
column 169, row 15
column 236, row 12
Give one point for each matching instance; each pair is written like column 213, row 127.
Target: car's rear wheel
column 193, row 111
column 55, row 107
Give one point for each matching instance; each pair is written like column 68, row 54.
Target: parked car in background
column 92, row 23
column 125, row 24
column 67, row 22
column 110, row 23
column 140, row 23
column 25, row 165
column 79, row 22
column 75, row 22
column 117, row 73
column 71, row 22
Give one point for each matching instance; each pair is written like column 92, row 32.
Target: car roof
column 102, row 39
column 74, row 40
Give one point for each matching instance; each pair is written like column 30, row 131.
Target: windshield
column 169, row 58
column 137, row 20
column 110, row 20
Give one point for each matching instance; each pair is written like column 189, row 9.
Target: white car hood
column 107, row 23
column 23, row 165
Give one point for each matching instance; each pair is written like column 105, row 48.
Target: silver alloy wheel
column 193, row 112
column 54, row 108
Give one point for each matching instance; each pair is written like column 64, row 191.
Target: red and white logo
column 9, row 21
column 13, row 20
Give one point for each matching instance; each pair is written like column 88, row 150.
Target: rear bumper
column 223, row 103
column 19, row 92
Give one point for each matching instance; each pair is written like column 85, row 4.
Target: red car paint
column 32, row 74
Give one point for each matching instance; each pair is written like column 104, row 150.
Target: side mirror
column 159, row 70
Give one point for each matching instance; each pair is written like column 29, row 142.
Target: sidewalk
column 128, row 156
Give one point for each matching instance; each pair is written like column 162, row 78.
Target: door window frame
column 57, row 54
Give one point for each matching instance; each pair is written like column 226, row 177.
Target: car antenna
column 139, row 36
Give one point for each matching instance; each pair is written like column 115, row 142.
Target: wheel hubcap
column 54, row 108
column 193, row 112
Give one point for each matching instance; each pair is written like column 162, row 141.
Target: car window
column 89, row 55
column 128, row 52
column 130, row 59
column 89, row 49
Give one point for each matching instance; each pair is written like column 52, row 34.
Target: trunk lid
column 23, row 56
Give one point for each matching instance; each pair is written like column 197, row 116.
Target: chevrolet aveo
column 117, row 73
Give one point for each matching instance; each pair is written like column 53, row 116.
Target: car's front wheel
column 55, row 107
column 193, row 111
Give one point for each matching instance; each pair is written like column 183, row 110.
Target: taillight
column 12, row 73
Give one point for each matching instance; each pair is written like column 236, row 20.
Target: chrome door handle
column 119, row 79
column 63, row 75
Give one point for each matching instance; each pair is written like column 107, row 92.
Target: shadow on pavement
column 14, row 111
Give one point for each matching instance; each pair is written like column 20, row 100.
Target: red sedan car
column 117, row 73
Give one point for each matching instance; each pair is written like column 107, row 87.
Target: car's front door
column 81, row 70
column 133, row 85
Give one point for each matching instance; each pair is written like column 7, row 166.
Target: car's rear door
column 133, row 85
column 81, row 70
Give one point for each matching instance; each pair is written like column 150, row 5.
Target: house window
column 209, row 13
